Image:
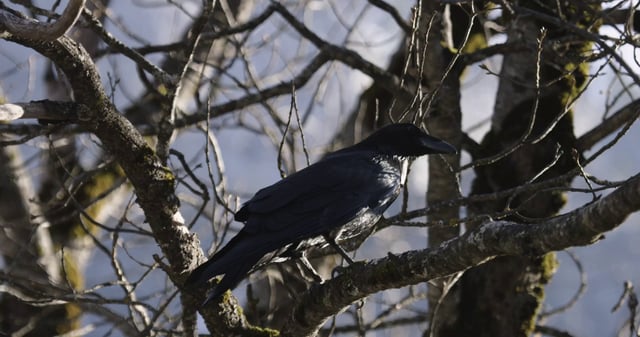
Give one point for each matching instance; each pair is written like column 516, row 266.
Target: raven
column 337, row 198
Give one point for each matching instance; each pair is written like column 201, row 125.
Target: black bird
column 337, row 198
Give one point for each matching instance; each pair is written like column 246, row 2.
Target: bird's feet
column 339, row 270
column 307, row 270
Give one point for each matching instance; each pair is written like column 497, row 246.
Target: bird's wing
column 321, row 197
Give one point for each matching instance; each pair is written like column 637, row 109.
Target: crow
column 337, row 198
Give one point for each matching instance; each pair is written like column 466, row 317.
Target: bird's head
column 406, row 140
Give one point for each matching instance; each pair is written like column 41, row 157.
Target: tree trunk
column 503, row 297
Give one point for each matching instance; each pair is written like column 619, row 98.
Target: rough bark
column 581, row 227
column 152, row 181
column 533, row 127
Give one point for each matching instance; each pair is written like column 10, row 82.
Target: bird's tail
column 231, row 279
column 235, row 261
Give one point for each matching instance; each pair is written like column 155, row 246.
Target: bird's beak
column 435, row 145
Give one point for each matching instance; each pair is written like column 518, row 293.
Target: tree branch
column 154, row 183
column 581, row 227
column 346, row 56
column 384, row 6
column 44, row 109
column 626, row 114
column 328, row 52
column 26, row 28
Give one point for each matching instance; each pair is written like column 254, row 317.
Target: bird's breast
column 357, row 226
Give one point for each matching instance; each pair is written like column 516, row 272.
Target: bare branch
column 384, row 6
column 134, row 55
column 44, row 110
column 626, row 114
column 26, row 28
column 580, row 227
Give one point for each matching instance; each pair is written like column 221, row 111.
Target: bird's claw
column 340, row 270
column 337, row 271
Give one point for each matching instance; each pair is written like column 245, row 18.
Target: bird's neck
column 399, row 164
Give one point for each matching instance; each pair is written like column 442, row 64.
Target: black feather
column 342, row 196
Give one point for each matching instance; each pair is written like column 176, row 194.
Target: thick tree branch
column 152, row 181
column 30, row 29
column 581, row 227
column 44, row 109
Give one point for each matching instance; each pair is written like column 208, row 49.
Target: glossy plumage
column 334, row 199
